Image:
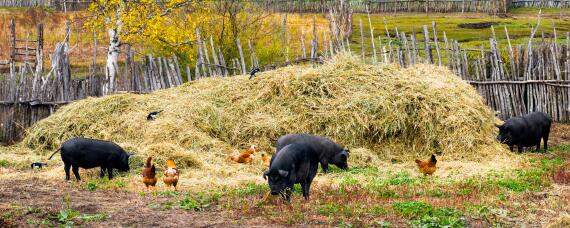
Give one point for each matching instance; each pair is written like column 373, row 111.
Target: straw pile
column 383, row 113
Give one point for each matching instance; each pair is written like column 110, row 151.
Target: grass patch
column 199, row 202
column 251, row 189
column 440, row 217
column 4, row 163
column 412, row 209
column 438, row 193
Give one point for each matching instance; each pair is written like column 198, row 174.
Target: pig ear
column 345, row 153
column 283, row 173
column 265, row 174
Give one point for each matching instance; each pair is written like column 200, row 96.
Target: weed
column 479, row 211
column 378, row 210
column 93, row 217
column 193, row 204
column 4, row 163
column 332, row 209
column 348, row 181
column 437, row 193
column 329, row 209
column 166, row 193
column 386, row 194
column 65, row 216
column 440, row 217
column 251, row 189
column 91, row 186
column 382, row 224
column 412, row 209
column 502, row 196
column 36, row 223
column 513, row 185
column 402, row 178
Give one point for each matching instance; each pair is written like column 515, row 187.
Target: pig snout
column 274, row 193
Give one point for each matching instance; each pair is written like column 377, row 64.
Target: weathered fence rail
column 359, row 6
column 513, row 80
column 539, row 3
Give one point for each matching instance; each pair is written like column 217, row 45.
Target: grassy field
column 518, row 22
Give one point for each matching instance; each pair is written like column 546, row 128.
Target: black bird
column 252, row 73
column 38, row 165
column 153, row 115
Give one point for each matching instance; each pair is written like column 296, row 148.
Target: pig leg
column 512, row 147
column 75, row 169
column 305, row 190
column 325, row 166
column 102, row 172
column 66, row 168
column 110, row 172
column 520, row 148
column 307, row 184
column 545, row 138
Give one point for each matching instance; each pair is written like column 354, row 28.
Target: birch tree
column 149, row 23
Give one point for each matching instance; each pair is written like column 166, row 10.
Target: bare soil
column 125, row 209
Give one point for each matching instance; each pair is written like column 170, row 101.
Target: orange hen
column 245, row 157
column 427, row 167
column 170, row 174
column 149, row 174
column 266, row 159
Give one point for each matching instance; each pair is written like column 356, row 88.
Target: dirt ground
column 124, row 209
column 33, row 201
column 559, row 134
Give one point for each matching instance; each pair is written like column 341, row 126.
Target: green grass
column 4, row 163
column 519, row 29
column 105, row 183
column 412, row 209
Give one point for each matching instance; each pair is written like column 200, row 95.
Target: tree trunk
column 112, row 61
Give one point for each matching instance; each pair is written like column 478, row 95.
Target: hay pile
column 380, row 112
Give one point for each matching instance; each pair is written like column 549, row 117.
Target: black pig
column 91, row 153
column 525, row 131
column 327, row 150
column 295, row 163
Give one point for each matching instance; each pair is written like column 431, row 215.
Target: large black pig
column 90, row 153
column 525, row 131
column 295, row 163
column 327, row 150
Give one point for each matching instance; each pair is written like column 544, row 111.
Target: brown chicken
column 245, row 157
column 427, row 167
column 149, row 174
column 266, row 159
column 171, row 174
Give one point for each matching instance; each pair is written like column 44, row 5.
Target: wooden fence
column 513, row 80
column 359, row 6
column 540, row 3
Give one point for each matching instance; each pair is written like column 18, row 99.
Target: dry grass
column 383, row 113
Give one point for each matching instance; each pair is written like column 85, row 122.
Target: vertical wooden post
column 315, row 43
column 12, row 40
column 94, row 67
column 428, row 53
column 241, row 57
column 254, row 62
column 362, row 41
column 285, row 43
column 436, row 43
column 514, row 72
column 371, row 36
column 40, row 49
column 207, row 57
column 303, row 51
column 201, row 62
column 215, row 57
